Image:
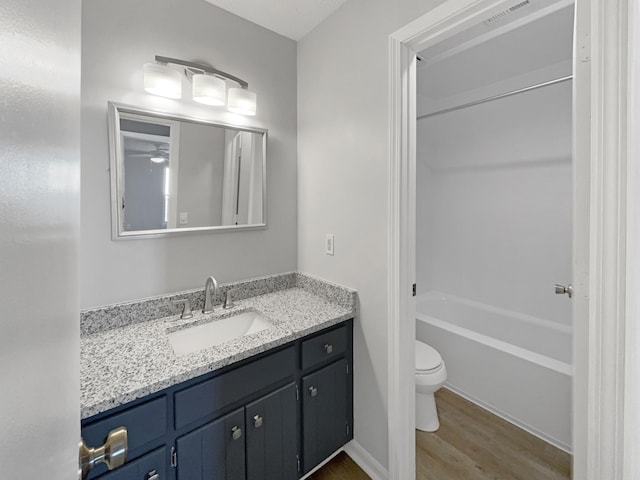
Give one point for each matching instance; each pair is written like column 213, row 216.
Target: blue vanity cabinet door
column 272, row 432
column 325, row 414
column 154, row 463
column 214, row 451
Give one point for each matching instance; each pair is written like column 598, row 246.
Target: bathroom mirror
column 175, row 174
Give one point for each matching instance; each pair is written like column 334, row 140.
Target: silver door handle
column 561, row 290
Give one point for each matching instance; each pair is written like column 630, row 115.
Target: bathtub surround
column 117, row 39
column 494, row 195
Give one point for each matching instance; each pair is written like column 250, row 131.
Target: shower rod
column 497, row 97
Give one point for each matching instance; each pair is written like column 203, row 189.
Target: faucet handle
column 228, row 299
column 186, row 308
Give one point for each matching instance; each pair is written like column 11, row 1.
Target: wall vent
column 506, row 12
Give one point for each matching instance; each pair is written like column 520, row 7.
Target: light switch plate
column 184, row 218
column 328, row 244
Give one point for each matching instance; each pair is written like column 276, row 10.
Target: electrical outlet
column 184, row 218
column 328, row 244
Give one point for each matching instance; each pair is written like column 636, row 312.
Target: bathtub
column 514, row 365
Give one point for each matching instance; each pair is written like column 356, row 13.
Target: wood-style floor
column 471, row 444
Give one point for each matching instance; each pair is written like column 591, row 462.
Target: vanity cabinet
column 254, row 442
column 274, row 416
column 324, row 413
column 215, row 450
column 272, row 431
column 152, row 466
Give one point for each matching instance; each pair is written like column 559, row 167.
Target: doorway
column 604, row 115
column 494, row 213
column 444, row 22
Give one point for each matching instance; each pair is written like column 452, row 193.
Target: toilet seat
column 428, row 360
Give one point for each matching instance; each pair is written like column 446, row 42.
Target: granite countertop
column 128, row 362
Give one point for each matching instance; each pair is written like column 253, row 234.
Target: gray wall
column 200, row 174
column 143, row 194
column 343, row 161
column 39, row 237
column 118, row 37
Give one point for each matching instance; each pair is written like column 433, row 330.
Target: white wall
column 494, row 202
column 117, row 38
column 39, row 235
column 343, row 162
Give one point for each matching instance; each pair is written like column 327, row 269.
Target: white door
column 39, row 237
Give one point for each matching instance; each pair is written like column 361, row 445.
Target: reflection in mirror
column 176, row 174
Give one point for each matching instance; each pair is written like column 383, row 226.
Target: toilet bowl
column 431, row 373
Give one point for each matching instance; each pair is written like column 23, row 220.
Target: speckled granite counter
column 122, row 361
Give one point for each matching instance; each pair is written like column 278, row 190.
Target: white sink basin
column 197, row 338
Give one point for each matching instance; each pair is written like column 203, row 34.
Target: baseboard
column 505, row 416
column 365, row 461
column 320, row 465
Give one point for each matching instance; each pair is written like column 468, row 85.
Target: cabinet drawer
column 207, row 398
column 145, row 423
column 141, row 469
column 324, row 347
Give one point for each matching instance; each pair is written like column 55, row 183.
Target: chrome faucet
column 208, row 299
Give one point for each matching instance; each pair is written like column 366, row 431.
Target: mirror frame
column 117, row 169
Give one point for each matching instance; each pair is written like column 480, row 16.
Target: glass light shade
column 157, row 159
column 241, row 101
column 208, row 89
column 162, row 80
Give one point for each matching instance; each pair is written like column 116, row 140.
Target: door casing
column 602, row 191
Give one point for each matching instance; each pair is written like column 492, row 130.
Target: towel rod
column 497, row 97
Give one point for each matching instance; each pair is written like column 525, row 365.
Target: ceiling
column 449, row 70
column 290, row 18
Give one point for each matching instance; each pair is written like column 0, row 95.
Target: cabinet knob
column 257, row 421
column 113, row 453
column 328, row 348
column 313, row 391
column 236, row 433
column 152, row 475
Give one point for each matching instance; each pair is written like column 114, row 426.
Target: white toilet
column 430, row 375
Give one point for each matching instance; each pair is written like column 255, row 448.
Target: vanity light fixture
column 208, row 89
column 208, row 84
column 242, row 101
column 161, row 80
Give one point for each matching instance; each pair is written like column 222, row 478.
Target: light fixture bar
column 203, row 68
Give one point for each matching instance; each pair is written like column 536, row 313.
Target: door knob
column 561, row 290
column 113, row 453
